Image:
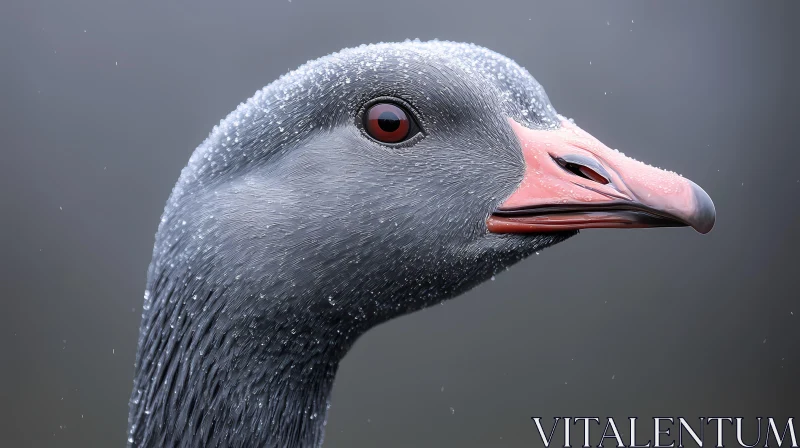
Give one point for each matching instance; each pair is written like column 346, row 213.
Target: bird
column 364, row 185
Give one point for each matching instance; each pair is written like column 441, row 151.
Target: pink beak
column 573, row 181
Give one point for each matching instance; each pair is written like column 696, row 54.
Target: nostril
column 581, row 170
column 590, row 174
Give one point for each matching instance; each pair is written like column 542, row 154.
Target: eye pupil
column 388, row 121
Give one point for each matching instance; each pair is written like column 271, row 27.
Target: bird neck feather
column 211, row 374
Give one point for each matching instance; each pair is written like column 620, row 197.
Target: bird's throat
column 221, row 379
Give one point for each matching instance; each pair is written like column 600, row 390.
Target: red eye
column 387, row 123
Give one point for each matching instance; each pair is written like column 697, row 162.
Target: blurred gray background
column 102, row 102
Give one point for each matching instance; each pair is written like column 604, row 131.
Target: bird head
column 384, row 178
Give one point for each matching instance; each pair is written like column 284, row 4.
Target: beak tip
column 704, row 214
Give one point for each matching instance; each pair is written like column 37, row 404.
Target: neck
column 208, row 376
